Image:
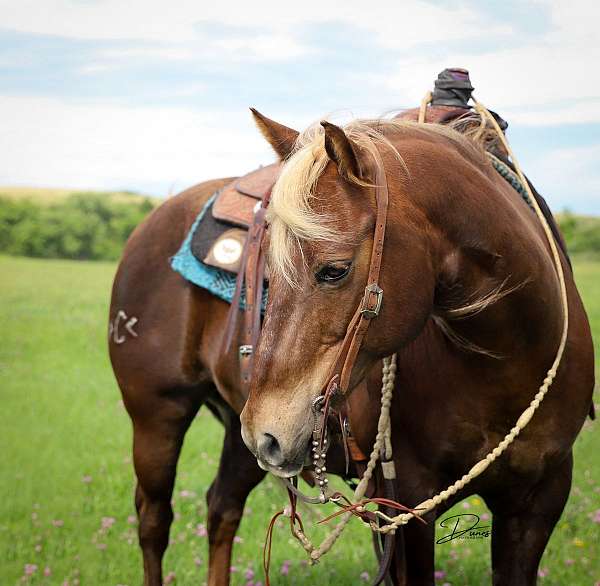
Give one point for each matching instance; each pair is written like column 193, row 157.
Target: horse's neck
column 493, row 269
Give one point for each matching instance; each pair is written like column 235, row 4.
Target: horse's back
column 156, row 317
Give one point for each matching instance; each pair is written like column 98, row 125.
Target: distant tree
column 83, row 226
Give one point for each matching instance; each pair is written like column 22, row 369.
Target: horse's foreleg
column 419, row 553
column 520, row 533
column 238, row 475
column 157, row 437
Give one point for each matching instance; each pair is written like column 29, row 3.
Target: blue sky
column 153, row 96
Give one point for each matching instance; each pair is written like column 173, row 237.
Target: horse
column 467, row 299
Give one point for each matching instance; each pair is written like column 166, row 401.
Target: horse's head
column 322, row 222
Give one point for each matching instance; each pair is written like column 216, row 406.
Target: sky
column 153, row 96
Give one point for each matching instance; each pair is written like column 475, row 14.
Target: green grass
column 66, row 485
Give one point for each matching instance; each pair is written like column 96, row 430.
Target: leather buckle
column 367, row 310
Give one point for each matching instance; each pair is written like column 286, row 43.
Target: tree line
column 95, row 226
column 84, row 226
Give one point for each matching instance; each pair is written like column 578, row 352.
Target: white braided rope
column 383, row 430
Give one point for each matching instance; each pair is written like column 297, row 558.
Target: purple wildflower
column 249, row 574
column 30, row 569
column 170, row 578
column 285, row 568
column 439, row 574
column 201, row 530
column 108, row 522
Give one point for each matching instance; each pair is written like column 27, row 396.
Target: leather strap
column 252, row 313
column 370, row 304
column 251, row 278
column 386, row 553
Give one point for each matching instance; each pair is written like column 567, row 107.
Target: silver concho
column 227, row 251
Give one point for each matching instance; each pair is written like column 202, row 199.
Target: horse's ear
column 280, row 137
column 341, row 151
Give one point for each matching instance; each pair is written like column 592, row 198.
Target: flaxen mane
column 291, row 215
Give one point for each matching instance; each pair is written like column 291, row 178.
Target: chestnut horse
column 471, row 306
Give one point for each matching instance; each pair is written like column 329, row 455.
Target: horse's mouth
column 285, row 471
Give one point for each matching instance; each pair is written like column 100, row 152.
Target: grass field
column 66, row 507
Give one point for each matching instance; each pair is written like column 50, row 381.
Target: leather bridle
column 338, row 379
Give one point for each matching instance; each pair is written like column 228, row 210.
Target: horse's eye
column 332, row 272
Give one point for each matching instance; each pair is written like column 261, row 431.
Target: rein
column 339, row 378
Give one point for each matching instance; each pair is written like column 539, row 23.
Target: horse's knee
column 223, row 519
column 155, row 520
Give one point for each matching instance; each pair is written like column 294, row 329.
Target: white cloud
column 569, row 178
column 579, row 112
column 541, row 80
column 50, row 142
column 395, row 24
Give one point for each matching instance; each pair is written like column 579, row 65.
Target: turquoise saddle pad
column 219, row 282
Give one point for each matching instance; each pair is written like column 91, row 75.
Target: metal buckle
column 366, row 311
column 245, row 350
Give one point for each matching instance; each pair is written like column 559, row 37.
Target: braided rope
column 383, row 431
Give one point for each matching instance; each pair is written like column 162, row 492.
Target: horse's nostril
column 269, row 450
